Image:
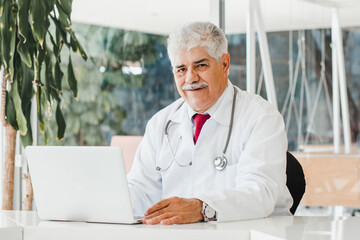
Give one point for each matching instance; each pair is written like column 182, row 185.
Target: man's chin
column 199, row 106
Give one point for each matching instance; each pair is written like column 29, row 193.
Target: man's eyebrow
column 196, row 62
column 180, row 66
column 201, row 60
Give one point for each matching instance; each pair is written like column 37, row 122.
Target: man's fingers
column 154, row 214
column 156, row 207
column 158, row 219
column 173, row 220
column 159, row 205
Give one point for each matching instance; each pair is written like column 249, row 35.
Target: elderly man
column 216, row 154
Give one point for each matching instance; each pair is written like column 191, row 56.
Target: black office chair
column 295, row 180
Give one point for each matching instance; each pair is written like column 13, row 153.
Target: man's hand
column 174, row 210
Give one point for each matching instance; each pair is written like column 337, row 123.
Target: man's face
column 199, row 78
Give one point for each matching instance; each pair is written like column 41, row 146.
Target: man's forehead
column 192, row 56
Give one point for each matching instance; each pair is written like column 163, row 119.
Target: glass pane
column 308, row 116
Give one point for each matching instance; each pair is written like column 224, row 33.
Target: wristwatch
column 208, row 213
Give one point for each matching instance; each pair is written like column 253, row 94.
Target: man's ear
column 225, row 61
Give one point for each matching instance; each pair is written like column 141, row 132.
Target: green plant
column 99, row 108
column 32, row 36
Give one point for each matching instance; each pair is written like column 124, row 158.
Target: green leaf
column 73, row 43
column 24, row 53
column 47, row 134
column 57, row 35
column 51, row 89
column 49, row 6
column 40, row 108
column 65, row 20
column 38, row 16
column 60, row 31
column 26, row 93
column 48, row 73
column 27, row 77
column 77, row 46
column 23, row 16
column 8, row 35
column 1, row 6
column 58, row 75
column 71, row 78
column 20, row 118
column 57, row 46
column 41, row 55
column 60, row 122
column 65, row 5
column 38, row 62
column 27, row 140
column 10, row 112
column 25, row 45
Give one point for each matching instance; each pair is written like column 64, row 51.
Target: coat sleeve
column 260, row 181
column 143, row 179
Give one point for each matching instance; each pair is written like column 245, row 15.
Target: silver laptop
column 80, row 184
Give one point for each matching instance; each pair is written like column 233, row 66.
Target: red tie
column 199, row 121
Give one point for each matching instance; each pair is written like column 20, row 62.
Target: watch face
column 209, row 212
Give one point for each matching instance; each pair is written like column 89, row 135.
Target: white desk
column 274, row 228
column 9, row 229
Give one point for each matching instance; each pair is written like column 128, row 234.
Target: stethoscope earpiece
column 220, row 163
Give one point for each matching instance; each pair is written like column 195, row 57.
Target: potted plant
column 32, row 36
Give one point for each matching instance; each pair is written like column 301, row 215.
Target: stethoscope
column 220, row 162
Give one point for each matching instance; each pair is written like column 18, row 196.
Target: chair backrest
column 128, row 145
column 295, row 180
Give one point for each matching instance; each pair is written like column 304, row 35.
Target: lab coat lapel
column 181, row 117
column 223, row 111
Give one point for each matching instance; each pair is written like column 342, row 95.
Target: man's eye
column 181, row 71
column 202, row 66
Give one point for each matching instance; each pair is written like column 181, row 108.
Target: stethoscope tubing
column 223, row 161
column 231, row 121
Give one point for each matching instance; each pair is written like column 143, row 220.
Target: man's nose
column 191, row 76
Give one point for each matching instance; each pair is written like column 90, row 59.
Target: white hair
column 203, row 34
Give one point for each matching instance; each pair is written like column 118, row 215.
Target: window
column 128, row 78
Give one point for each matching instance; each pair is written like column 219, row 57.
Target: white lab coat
column 253, row 185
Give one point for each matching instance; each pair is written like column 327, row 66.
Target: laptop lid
column 80, row 183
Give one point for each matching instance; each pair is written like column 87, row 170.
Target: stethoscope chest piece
column 220, row 163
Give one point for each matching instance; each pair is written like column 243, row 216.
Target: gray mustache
column 192, row 86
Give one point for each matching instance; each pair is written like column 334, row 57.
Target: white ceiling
column 163, row 16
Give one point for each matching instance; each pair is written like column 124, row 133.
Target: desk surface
column 292, row 228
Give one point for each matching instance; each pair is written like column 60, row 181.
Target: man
column 183, row 164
